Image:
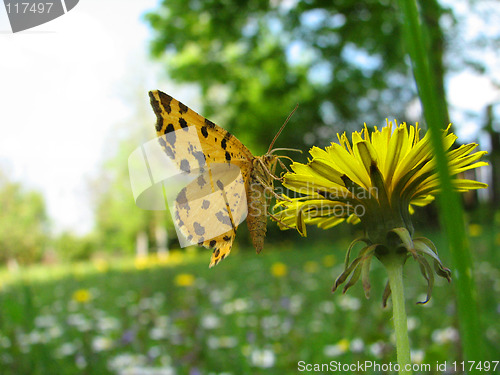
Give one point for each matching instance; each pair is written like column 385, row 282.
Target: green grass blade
column 451, row 210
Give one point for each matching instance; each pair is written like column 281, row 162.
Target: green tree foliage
column 342, row 61
column 72, row 247
column 23, row 223
column 118, row 219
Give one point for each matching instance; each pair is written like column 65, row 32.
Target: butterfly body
column 258, row 198
column 218, row 148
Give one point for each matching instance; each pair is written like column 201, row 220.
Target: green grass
column 237, row 318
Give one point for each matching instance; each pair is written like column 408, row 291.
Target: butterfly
column 229, row 176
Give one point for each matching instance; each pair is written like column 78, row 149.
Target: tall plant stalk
column 451, row 211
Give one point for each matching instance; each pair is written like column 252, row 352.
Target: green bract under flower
column 376, row 180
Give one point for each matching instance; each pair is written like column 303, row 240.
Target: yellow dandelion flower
column 376, row 180
column 279, row 269
column 82, row 296
column 184, row 279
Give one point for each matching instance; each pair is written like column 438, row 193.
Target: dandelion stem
column 394, row 267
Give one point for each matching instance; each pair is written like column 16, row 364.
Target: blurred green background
column 109, row 291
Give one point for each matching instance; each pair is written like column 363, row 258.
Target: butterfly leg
column 282, row 165
column 279, row 221
column 271, row 174
column 270, row 189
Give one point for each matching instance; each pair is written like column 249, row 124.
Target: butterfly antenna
column 281, row 129
column 285, row 149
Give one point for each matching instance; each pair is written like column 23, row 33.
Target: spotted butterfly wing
column 214, row 201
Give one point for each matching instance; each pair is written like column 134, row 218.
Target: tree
column 342, row 61
column 73, row 247
column 254, row 60
column 119, row 221
column 474, row 51
column 23, row 223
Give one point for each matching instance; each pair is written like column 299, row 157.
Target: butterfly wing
column 209, row 209
column 218, row 145
column 218, row 148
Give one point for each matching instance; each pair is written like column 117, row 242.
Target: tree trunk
column 141, row 245
column 161, row 241
column 494, row 155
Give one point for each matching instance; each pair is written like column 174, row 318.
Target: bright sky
column 60, row 98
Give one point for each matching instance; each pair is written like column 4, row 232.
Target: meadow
column 249, row 315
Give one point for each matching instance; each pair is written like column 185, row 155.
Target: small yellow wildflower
column 176, row 257
column 475, row 230
column 141, row 263
column 82, row 296
column 329, row 260
column 344, row 345
column 101, row 265
column 311, row 267
column 279, row 269
column 163, row 258
column 338, row 349
column 184, row 279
